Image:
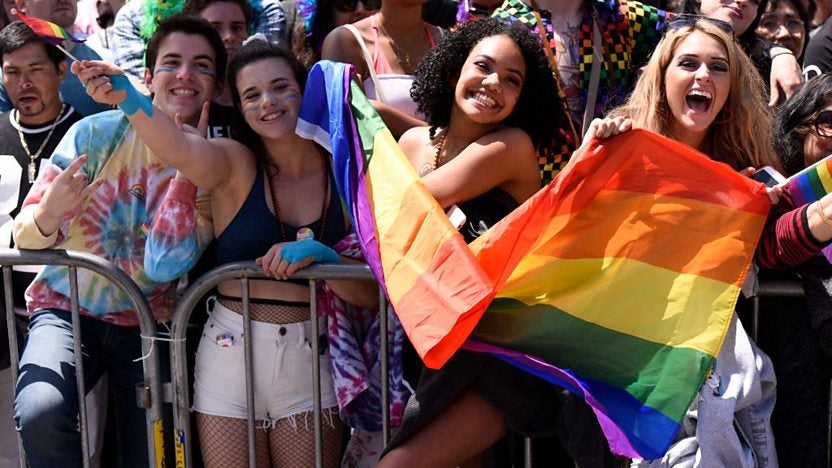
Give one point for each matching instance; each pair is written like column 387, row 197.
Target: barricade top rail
column 250, row 270
column 90, row 262
column 150, row 393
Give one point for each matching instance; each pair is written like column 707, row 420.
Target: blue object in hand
column 297, row 251
column 134, row 100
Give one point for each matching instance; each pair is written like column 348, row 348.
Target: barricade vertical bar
column 316, row 370
column 755, row 317
column 385, row 369
column 79, row 364
column 527, row 452
column 13, row 346
column 181, row 415
column 247, row 342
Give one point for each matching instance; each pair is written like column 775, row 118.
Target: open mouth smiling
column 699, row 100
column 483, row 99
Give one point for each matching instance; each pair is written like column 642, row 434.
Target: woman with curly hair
column 480, row 90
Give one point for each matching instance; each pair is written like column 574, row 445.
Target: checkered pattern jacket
column 630, row 30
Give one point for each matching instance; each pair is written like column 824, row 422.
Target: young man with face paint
column 99, row 194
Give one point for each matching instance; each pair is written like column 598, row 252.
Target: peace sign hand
column 64, row 194
column 201, row 128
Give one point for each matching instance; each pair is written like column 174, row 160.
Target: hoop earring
column 725, row 118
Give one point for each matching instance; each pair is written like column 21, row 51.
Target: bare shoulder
column 414, row 135
column 341, row 45
column 415, row 143
column 511, row 137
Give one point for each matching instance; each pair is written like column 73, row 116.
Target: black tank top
column 255, row 229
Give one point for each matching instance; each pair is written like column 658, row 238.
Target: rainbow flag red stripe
column 48, row 31
column 617, row 281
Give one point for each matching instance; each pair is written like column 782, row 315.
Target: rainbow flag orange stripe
column 48, row 31
column 617, row 281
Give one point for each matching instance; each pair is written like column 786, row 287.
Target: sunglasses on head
column 682, row 21
column 823, row 123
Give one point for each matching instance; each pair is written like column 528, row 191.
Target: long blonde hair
column 740, row 134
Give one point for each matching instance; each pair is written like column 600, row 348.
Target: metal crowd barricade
column 771, row 288
column 150, row 394
column 244, row 272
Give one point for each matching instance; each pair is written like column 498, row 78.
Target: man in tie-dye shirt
column 99, row 195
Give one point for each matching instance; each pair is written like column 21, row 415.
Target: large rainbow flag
column 616, row 281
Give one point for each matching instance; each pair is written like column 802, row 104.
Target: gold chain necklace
column 34, row 157
column 401, row 54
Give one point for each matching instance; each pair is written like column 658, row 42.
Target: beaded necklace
column 304, row 232
column 427, row 168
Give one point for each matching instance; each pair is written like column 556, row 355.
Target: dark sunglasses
column 348, row 6
column 682, row 21
column 823, row 123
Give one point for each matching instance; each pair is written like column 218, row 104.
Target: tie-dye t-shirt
column 112, row 222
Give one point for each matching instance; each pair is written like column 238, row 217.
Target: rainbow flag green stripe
column 654, row 372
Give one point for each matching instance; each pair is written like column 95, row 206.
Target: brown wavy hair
column 740, row 135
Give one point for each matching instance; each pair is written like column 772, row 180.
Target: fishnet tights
column 288, row 443
column 269, row 313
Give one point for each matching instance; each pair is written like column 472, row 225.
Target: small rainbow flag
column 48, row 31
column 617, row 281
column 811, row 183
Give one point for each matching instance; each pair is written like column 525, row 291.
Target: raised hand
column 107, row 84
column 64, row 194
column 94, row 75
column 201, row 128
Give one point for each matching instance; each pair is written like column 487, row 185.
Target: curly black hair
column 792, row 121
column 538, row 111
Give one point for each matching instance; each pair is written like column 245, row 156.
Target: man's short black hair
column 190, row 25
column 17, row 35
